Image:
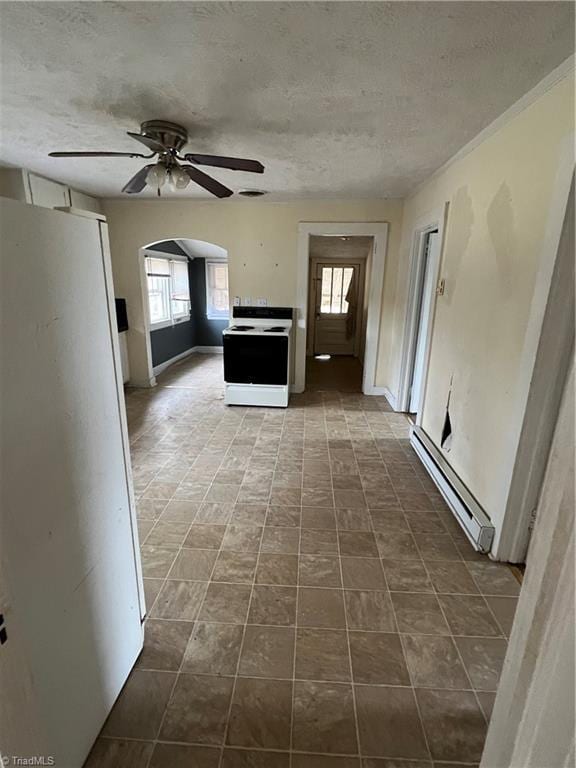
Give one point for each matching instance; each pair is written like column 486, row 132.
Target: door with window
column 336, row 308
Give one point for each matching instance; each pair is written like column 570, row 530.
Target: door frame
column 434, row 220
column 379, row 232
column 361, row 265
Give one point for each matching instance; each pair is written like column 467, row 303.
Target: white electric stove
column 257, row 356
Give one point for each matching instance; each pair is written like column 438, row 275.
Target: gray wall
column 169, row 342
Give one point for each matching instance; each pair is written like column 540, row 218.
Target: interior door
column 425, row 303
column 333, row 334
column 70, row 580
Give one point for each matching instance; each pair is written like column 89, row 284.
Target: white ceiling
column 338, row 100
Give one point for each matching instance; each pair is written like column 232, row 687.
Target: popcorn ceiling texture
column 338, row 100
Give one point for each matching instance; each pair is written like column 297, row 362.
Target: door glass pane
column 348, row 272
column 336, row 304
column 326, row 294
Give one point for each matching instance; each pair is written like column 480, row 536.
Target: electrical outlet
column 236, row 301
column 261, row 302
column 247, row 301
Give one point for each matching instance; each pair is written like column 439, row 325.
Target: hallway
column 342, row 373
column 311, row 601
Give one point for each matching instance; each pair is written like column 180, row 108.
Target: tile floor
column 311, row 601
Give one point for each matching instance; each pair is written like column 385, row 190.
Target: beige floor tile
column 181, row 756
column 319, row 571
column 322, row 654
column 139, row 709
column 267, row 652
column 419, row 614
column 369, row 610
column 406, row 576
column 179, row 600
column 357, row 544
column 483, row 659
column 318, row 542
column 157, row 561
column 193, row 564
column 198, row 709
column 277, row 569
column 246, row 758
column 205, row 536
column 454, row 724
column 434, row 662
column 112, row 753
column 227, row 603
column 377, row 657
column 324, row 718
column 469, row 615
column 237, row 567
column 504, row 609
column 260, row 714
column 281, row 540
column 164, row 644
column 321, row 608
column 273, row 605
column 362, row 573
column 213, row 649
column 388, row 722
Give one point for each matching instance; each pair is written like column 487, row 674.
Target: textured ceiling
column 338, row 100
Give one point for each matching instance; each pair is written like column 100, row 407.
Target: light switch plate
column 236, row 301
column 261, row 302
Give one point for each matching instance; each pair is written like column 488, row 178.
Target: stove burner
column 274, row 329
column 241, row 328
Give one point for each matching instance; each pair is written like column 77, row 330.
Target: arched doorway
column 185, row 295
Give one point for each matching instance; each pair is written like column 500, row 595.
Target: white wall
column 260, row 237
column 501, row 197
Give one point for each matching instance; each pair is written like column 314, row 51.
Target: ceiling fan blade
column 138, row 181
column 148, row 141
column 206, row 181
column 96, row 154
column 232, row 163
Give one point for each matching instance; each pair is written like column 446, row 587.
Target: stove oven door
column 255, row 359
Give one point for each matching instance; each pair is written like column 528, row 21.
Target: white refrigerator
column 71, row 598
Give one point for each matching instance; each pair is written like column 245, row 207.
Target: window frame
column 211, row 315
column 174, row 319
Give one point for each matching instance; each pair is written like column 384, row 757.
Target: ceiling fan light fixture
column 157, row 176
column 178, row 178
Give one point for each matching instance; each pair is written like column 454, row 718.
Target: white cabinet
column 47, row 193
column 28, row 187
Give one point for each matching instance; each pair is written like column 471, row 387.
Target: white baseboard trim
column 167, row 363
column 208, row 350
column 383, row 392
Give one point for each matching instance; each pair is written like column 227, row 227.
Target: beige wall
column 500, row 199
column 260, row 237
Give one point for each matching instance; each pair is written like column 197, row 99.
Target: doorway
column 424, row 296
column 424, row 272
column 336, row 311
column 377, row 233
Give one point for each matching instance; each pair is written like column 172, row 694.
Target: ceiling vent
column 252, row 192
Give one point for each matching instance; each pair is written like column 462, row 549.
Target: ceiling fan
column 166, row 140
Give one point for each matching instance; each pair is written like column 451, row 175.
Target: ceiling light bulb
column 179, row 179
column 156, row 176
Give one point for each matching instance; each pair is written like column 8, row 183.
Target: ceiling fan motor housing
column 171, row 135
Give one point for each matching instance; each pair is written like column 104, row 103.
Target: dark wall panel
column 208, row 332
column 169, row 342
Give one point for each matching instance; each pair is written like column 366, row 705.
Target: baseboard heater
column 473, row 520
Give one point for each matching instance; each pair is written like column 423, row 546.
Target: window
column 168, row 291
column 335, row 284
column 217, row 302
